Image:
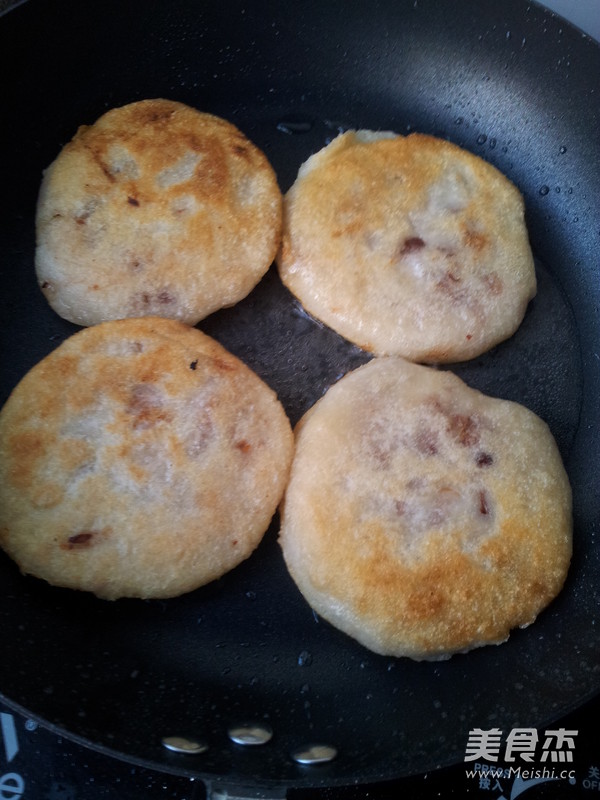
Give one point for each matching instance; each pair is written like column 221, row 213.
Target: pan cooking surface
column 121, row 676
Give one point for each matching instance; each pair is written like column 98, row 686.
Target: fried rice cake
column 139, row 459
column 407, row 245
column 156, row 209
column 422, row 517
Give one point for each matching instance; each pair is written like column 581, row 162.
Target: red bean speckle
column 464, row 429
column 78, row 540
column 411, row 245
column 484, row 459
column 484, row 506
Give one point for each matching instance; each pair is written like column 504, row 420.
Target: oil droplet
column 336, row 125
column 562, row 150
column 294, row 126
column 544, row 190
column 305, row 659
column 482, row 139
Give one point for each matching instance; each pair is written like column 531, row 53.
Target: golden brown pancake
column 139, row 459
column 407, row 246
column 422, row 517
column 156, row 209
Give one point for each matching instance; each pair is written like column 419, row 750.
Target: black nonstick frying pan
column 507, row 81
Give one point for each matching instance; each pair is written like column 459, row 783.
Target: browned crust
column 155, row 209
column 407, row 246
column 422, row 517
column 140, row 458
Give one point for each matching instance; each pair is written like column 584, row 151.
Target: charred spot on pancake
column 133, row 201
column 194, row 364
column 484, row 459
column 243, row 446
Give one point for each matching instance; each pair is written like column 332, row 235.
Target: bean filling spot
column 484, row 507
column 78, row 540
column 411, row 245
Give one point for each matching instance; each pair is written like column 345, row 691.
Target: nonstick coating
column 509, row 82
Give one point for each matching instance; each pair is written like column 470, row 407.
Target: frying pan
column 507, row 81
